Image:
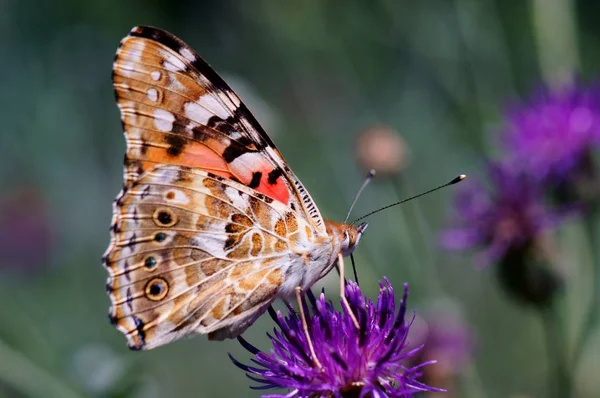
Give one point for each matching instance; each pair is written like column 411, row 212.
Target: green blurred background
column 316, row 74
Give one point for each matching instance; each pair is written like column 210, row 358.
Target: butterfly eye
column 150, row 263
column 164, row 218
column 157, row 289
column 346, row 238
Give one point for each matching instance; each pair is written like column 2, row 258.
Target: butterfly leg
column 305, row 327
column 343, row 291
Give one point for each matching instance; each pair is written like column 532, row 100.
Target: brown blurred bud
column 382, row 149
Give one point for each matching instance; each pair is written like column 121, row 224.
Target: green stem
column 559, row 377
column 591, row 319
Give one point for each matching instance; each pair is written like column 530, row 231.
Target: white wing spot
column 128, row 116
column 172, row 63
column 187, row 54
column 212, row 244
column 210, row 102
column 133, row 133
column 130, row 55
column 163, row 120
column 155, row 75
column 175, row 83
column 239, row 201
column 196, row 113
column 152, row 94
column 177, row 197
column 245, row 163
column 134, row 50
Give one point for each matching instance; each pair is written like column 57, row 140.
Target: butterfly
column 212, row 225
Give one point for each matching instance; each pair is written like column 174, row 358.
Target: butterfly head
column 351, row 235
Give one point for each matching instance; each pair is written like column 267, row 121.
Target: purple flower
column 551, row 137
column 370, row 362
column 25, row 230
column 508, row 215
column 446, row 337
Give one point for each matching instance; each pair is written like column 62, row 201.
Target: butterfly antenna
column 368, row 179
column 456, row 180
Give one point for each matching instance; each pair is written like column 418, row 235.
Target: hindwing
column 193, row 252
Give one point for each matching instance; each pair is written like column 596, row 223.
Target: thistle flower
column 370, row 362
column 551, row 138
column 447, row 337
column 508, row 222
column 509, row 215
column 25, row 230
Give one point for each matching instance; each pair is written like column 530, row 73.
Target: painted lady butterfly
column 212, row 225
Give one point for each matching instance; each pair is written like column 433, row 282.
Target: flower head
column 370, row 362
column 551, row 137
column 25, row 230
column 447, row 337
column 508, row 215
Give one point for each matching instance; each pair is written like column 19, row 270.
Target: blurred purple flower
column 445, row 336
column 25, row 233
column 552, row 136
column 508, row 215
column 370, row 362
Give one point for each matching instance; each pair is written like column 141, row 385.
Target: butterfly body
column 212, row 225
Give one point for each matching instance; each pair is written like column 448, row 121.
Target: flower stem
column 591, row 318
column 559, row 377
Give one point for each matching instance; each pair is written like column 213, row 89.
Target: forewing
column 176, row 110
column 193, row 252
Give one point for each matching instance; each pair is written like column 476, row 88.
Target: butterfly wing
column 193, row 252
column 176, row 110
column 201, row 232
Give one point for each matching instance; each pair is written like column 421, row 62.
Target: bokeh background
column 318, row 75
